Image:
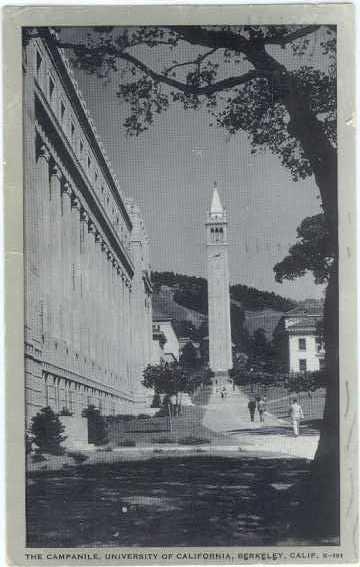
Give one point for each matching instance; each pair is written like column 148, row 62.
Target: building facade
column 220, row 345
column 300, row 338
column 88, row 314
column 165, row 341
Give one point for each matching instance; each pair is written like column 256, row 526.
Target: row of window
column 78, row 143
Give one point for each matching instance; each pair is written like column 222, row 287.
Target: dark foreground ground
column 194, row 501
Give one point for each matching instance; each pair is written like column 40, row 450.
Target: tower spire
column 216, row 206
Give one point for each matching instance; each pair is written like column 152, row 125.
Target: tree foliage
column 165, row 378
column 191, row 292
column 255, row 299
column 47, row 431
column 188, row 359
column 236, row 72
column 264, row 80
column 312, row 252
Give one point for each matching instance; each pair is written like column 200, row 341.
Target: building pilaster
column 67, row 194
column 56, row 285
column 76, row 298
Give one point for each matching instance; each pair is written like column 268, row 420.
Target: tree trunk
column 320, row 514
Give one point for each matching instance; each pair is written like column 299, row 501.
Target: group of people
column 260, row 404
column 295, row 412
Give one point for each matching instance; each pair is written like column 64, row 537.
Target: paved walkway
column 230, row 416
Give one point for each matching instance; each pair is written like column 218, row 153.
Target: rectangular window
column 72, row 129
column 302, row 344
column 81, row 146
column 89, row 162
column 62, row 110
column 302, row 364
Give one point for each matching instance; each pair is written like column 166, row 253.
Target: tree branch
column 196, row 61
column 228, row 83
column 292, row 36
column 187, row 89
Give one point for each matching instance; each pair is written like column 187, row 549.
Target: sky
column 170, row 171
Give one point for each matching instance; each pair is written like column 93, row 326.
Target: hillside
column 163, row 304
column 184, row 297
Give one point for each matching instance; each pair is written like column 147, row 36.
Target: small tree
column 47, row 431
column 188, row 357
column 164, row 378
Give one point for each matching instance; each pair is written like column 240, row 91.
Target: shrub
column 96, row 426
column 125, row 416
column 127, row 443
column 47, row 431
column 66, row 411
column 191, row 440
column 143, row 416
column 77, row 456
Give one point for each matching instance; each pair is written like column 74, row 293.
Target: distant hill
column 163, row 304
column 183, row 297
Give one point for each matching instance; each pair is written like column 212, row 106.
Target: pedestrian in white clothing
column 296, row 414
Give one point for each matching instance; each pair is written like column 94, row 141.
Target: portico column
column 55, row 251
column 43, row 188
column 75, row 248
column 131, row 323
column 124, row 333
column 67, row 261
column 98, row 284
column 93, row 291
column 104, row 310
column 118, row 323
column 84, row 274
column 108, row 258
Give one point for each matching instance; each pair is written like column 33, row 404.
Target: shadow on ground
column 194, row 501
column 278, row 430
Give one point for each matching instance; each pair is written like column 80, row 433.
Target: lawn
column 194, row 501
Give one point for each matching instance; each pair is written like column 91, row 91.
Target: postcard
column 180, row 236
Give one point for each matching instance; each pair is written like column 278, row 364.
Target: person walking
column 252, row 408
column 296, row 414
column 261, row 406
column 173, row 401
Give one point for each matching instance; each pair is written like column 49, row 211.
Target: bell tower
column 220, row 345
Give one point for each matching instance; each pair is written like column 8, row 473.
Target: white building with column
column 303, row 347
column 88, row 315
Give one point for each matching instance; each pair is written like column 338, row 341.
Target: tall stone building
column 88, row 315
column 220, row 345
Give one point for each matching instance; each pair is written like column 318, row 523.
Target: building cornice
column 82, row 114
column 50, row 129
